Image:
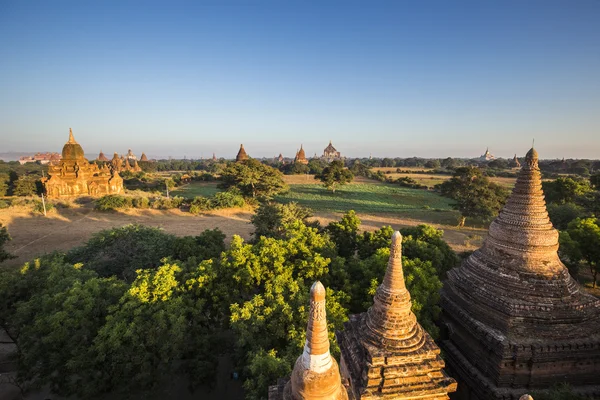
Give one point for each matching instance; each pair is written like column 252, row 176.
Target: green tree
column 335, row 175
column 253, row 178
column 595, row 181
column 582, row 244
column 4, row 184
column 562, row 214
column 121, row 251
column 271, row 219
column 4, row 238
column 25, row 186
column 344, row 233
column 474, row 194
column 565, row 189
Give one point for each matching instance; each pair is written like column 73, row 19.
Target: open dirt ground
column 65, row 228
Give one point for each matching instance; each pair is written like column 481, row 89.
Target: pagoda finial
column 71, row 137
column 316, row 374
column 317, row 339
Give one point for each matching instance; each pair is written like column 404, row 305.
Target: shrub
column 200, row 204
column 113, row 202
column 38, row 206
column 229, row 199
column 4, row 204
column 163, row 203
column 141, row 202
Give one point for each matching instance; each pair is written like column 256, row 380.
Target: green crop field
column 367, row 198
column 194, row 189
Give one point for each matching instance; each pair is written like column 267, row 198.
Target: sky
column 396, row 79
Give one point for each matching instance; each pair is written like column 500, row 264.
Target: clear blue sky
column 398, row 78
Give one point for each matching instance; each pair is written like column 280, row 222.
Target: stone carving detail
column 385, row 352
column 514, row 301
column 317, row 310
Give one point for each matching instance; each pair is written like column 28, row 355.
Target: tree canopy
column 334, row 175
column 474, row 194
column 581, row 243
column 253, row 178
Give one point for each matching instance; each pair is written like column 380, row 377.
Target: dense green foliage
column 253, row 179
column 565, row 190
column 580, row 243
column 4, row 237
column 334, row 175
column 25, row 186
column 271, row 219
column 475, row 195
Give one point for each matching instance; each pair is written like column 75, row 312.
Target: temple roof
column 241, row 155
column 330, row 148
column 72, row 150
column 301, row 154
column 143, row 157
column 102, row 157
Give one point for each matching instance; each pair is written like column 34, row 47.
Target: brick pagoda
column 386, row 354
column 515, row 319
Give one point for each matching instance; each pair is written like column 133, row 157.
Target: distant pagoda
column 116, row 164
column 74, row 175
column 487, row 156
column 330, row 153
column 386, row 354
column 514, row 163
column 214, row 157
column 130, row 155
column 301, row 157
column 241, row 155
column 102, row 157
column 514, row 317
column 143, row 157
column 316, row 375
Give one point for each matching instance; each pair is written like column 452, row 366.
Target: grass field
column 430, row 180
column 194, row 189
column 365, row 197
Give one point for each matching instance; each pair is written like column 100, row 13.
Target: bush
column 4, row 204
column 113, row 202
column 38, row 206
column 229, row 199
column 200, row 204
column 141, row 202
column 121, row 251
column 163, row 203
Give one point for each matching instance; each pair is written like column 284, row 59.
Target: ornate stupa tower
column 241, row 155
column 316, row 375
column 514, row 317
column 102, row 157
column 386, row 354
column 301, row 156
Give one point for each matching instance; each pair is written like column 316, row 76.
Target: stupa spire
column 523, row 228
column 390, row 319
column 71, row 137
column 316, row 373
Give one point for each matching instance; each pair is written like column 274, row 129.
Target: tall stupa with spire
column 514, row 318
column 386, row 354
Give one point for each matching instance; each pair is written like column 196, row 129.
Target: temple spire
column 316, row 373
column 71, row 137
column 390, row 319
